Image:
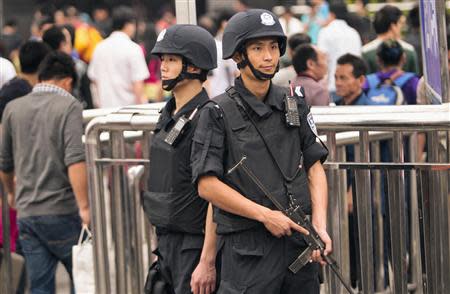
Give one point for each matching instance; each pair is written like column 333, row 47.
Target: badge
column 161, row 36
column 298, row 91
column 311, row 124
column 267, row 19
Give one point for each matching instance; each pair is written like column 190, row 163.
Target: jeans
column 45, row 240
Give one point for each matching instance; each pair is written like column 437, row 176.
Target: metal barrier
column 123, row 239
column 427, row 259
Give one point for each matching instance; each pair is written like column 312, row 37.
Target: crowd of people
column 73, row 61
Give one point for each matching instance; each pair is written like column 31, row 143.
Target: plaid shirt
column 43, row 87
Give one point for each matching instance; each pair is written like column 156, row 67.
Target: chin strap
column 168, row 85
column 258, row 74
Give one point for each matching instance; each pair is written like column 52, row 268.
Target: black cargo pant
column 179, row 254
column 255, row 262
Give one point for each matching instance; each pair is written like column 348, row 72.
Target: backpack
column 388, row 91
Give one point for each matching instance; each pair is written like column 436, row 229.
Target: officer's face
column 264, row 54
column 171, row 66
column 347, row 85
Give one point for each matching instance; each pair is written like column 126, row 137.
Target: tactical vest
column 173, row 202
column 242, row 139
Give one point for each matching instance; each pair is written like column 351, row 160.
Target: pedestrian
column 388, row 24
column 118, row 68
column 42, row 148
column 259, row 241
column 185, row 231
column 310, row 64
column 338, row 38
column 350, row 78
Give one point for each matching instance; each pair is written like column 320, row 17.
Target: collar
column 360, row 100
column 338, row 22
column 48, row 88
column 306, row 75
column 261, row 108
column 166, row 114
column 119, row 34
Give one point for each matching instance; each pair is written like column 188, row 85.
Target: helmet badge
column 161, row 36
column 267, row 19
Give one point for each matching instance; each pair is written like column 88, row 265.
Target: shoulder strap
column 234, row 95
column 403, row 79
column 234, row 118
column 373, row 80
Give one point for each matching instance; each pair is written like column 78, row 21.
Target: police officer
column 186, row 250
column 255, row 121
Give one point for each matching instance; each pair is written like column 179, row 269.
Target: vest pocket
column 179, row 212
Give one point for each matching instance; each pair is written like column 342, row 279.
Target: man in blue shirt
column 350, row 78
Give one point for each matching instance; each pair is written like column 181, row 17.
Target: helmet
column 195, row 44
column 250, row 24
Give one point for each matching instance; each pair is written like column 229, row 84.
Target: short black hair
column 298, row 39
column 339, row 9
column 413, row 17
column 101, row 6
column 57, row 66
column 54, row 36
column 390, row 52
column 359, row 65
column 222, row 15
column 384, row 17
column 121, row 16
column 31, row 54
column 46, row 20
column 11, row 23
column 71, row 31
column 301, row 55
column 448, row 41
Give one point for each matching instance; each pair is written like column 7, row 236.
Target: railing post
column 397, row 219
column 97, row 208
column 117, row 213
column 414, row 216
column 378, row 218
column 5, row 262
column 338, row 219
column 363, row 201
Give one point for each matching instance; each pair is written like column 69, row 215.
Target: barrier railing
column 123, row 238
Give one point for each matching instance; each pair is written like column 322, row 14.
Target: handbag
column 83, row 264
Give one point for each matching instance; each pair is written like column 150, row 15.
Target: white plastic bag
column 83, row 264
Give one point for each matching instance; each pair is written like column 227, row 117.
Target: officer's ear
column 193, row 69
column 237, row 57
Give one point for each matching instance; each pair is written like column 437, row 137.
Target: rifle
column 296, row 214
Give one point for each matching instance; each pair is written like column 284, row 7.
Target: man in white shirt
column 226, row 71
column 337, row 39
column 7, row 71
column 118, row 67
column 291, row 25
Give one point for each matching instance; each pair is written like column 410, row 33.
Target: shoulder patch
column 311, row 124
column 299, row 91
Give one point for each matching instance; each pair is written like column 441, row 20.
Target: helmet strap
column 258, row 74
column 168, row 85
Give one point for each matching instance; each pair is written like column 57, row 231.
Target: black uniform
column 253, row 260
column 172, row 202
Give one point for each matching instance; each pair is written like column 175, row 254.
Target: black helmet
column 250, row 24
column 192, row 42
